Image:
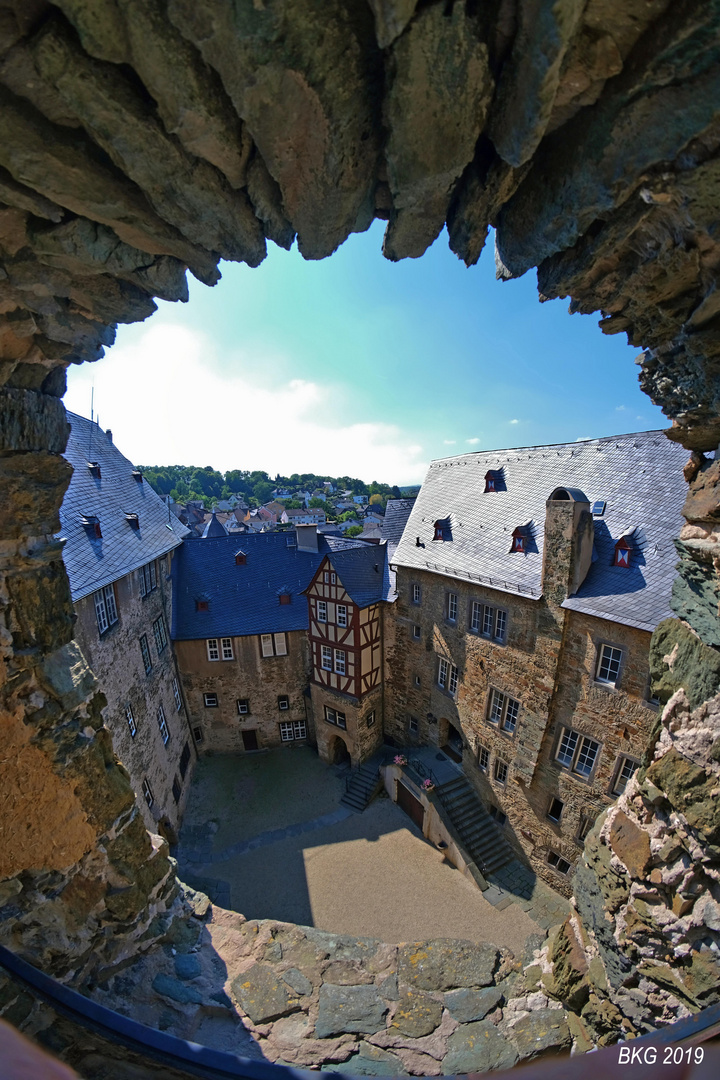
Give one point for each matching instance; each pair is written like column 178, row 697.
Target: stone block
column 478, row 1048
column 349, row 1009
column 187, row 966
column 465, row 1006
column 630, row 843
column 32, row 422
column 67, row 675
column 297, row 982
column 541, row 1032
column 417, row 1014
column 261, row 994
column 443, row 965
column 176, row 991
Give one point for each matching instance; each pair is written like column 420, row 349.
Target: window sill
column 610, row 687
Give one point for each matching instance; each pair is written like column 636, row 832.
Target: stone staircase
column 480, row 835
column 362, row 785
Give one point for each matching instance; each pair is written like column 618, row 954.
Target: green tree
column 354, row 530
column 376, row 500
column 316, row 504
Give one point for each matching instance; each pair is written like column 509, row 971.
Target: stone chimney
column 109, row 435
column 569, row 534
column 306, row 537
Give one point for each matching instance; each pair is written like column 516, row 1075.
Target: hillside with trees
column 187, row 482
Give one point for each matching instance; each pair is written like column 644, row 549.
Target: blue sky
column 355, row 365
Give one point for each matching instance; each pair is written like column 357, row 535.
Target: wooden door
column 412, row 806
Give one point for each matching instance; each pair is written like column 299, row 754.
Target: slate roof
column 397, row 513
column 245, row 599
column 92, row 563
column 214, row 528
column 638, row 476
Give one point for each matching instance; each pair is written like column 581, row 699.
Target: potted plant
column 400, row 759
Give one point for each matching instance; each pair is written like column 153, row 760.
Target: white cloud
column 620, row 408
column 584, row 438
column 472, row 442
column 513, row 421
column 639, row 417
column 166, row 404
column 448, row 442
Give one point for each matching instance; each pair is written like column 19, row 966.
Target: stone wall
column 363, row 731
column 139, row 139
column 248, row 676
column 116, row 660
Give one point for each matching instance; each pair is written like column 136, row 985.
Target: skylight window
column 133, row 521
column 94, row 467
column 598, row 508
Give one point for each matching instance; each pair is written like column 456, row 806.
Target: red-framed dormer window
column 438, row 527
column 518, row 542
column 490, row 482
column 202, row 605
column 240, row 558
column 622, row 553
column 284, row 598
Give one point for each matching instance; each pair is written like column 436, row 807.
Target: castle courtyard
column 265, row 835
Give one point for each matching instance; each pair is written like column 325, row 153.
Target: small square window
column 243, row 706
column 326, row 657
column 341, row 614
column 608, row 669
column 561, row 865
column 283, row 702
column 227, row 648
column 147, row 793
column 413, row 726
column 483, row 758
column 416, row 594
column 501, row 771
column 370, row 719
column 280, row 643
column 211, row 701
column 322, row 611
column 340, row 661
column 416, row 632
column 555, row 810
column 198, row 734
column 417, row 681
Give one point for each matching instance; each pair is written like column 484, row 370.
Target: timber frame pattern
column 141, row 138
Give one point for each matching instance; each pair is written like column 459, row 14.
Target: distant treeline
column 185, row 482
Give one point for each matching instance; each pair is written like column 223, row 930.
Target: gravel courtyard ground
column 267, row 833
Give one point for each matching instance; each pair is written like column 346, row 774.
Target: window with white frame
column 283, row 702
column 243, row 706
column 340, row 659
column 483, row 758
column 413, row 725
column 145, row 653
column 586, row 823
column 453, row 680
column 326, row 657
column 226, row 647
column 160, row 634
column 490, row 622
column 443, row 671
column 273, row 645
column 105, row 608
column 333, row 579
column 503, row 711
column 322, row 611
column 162, row 724
column 210, row 701
column 293, row 729
column 501, row 771
column 176, row 695
column 626, row 769
column 576, row 752
column 608, row 667
column 341, row 614
column 213, row 648
column 148, row 578
column 452, row 607
column 131, row 721
column 416, row 593
column 370, row 719
column 334, row 716
column 326, row 577
column 561, row 865
column 147, row 793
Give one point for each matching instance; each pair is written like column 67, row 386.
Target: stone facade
column 547, row 663
column 271, row 688
column 153, row 740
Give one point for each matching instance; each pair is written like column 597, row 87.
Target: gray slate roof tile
column 92, row 563
column 245, row 599
column 639, row 476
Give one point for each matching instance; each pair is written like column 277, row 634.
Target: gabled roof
column 363, row 573
column 213, row 528
column 92, row 563
column 397, row 513
column 639, row 477
column 244, row 599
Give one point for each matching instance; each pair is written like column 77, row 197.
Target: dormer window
column 202, row 605
column 494, row 480
column 622, row 553
column 133, row 521
column 521, row 538
column 137, row 475
column 94, row 467
column 240, row 558
column 518, row 542
column 284, row 598
column 441, row 529
column 92, row 525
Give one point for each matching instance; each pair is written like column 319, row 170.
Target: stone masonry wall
column 116, row 660
column 260, row 680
